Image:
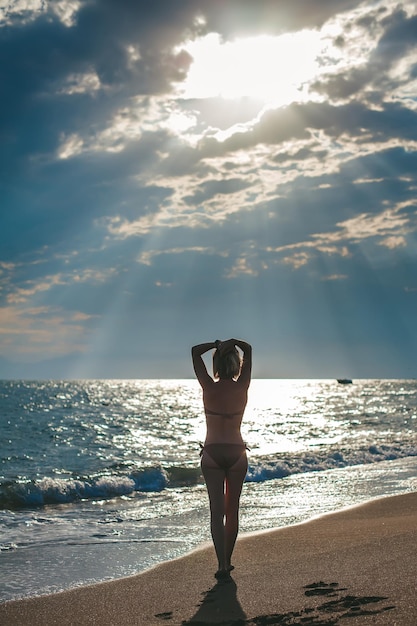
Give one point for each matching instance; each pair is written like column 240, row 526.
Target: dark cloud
column 398, row 39
column 37, row 57
column 215, row 187
column 301, row 154
column 63, row 198
column 182, row 160
column 297, row 120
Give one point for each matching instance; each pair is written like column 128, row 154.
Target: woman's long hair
column 226, row 365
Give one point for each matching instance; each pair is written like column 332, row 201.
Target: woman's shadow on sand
column 219, row 605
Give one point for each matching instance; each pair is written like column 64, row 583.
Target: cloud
column 147, row 256
column 25, row 11
column 388, row 228
column 22, row 294
column 82, row 83
column 397, row 241
column 241, row 267
column 17, row 295
column 298, row 122
column 36, row 333
column 377, row 74
column 335, row 277
column 365, row 226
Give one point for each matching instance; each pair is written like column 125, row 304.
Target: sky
column 178, row 172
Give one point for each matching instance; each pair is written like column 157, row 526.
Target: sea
column 100, row 479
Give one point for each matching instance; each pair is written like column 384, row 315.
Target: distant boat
column 344, row 381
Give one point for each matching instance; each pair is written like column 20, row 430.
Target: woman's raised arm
column 199, row 366
column 246, row 370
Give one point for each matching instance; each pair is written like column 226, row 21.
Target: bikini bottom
column 225, row 455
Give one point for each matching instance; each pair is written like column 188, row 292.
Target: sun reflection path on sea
column 290, row 416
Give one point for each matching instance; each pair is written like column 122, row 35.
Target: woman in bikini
column 223, row 458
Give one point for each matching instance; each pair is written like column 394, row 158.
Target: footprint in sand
column 323, row 589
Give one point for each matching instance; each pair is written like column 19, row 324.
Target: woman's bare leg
column 215, row 478
column 234, row 482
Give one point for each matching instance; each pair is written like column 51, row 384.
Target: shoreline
column 358, row 562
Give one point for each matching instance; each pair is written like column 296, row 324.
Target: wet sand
column 359, row 563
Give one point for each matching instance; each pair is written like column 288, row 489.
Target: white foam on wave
column 262, row 470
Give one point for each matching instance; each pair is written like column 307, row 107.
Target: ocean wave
column 301, row 463
column 35, row 493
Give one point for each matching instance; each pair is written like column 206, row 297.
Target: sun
column 274, row 70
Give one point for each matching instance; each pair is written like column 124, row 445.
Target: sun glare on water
column 274, row 70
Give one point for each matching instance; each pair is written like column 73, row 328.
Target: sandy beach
column 359, row 563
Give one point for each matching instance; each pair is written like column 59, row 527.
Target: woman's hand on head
column 225, row 346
